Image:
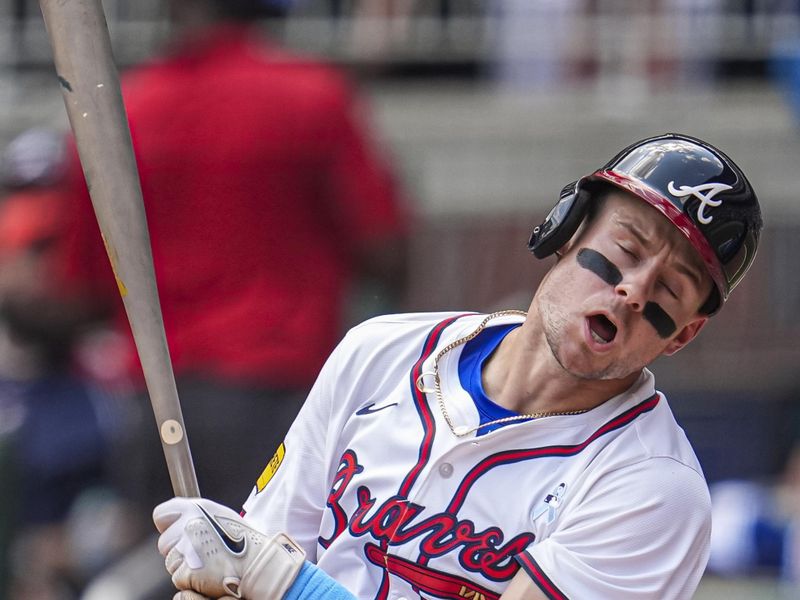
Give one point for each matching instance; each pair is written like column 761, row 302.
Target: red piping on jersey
column 535, row 572
column 428, row 428
column 424, row 410
column 512, row 456
column 430, row 581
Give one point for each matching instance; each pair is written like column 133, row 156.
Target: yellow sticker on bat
column 112, row 257
column 271, row 468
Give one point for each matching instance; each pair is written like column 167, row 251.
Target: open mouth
column 602, row 330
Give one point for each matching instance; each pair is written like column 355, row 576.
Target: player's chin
column 593, row 372
column 585, row 364
column 581, row 363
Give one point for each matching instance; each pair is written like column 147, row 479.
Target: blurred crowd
column 522, row 43
column 271, row 204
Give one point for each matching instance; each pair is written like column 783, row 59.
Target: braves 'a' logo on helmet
column 706, row 199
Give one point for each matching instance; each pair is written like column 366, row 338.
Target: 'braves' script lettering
column 395, row 521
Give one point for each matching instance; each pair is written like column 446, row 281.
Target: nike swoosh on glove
column 210, row 550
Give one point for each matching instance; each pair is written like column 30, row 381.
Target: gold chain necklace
column 462, row 430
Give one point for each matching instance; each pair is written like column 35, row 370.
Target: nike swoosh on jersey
column 368, row 409
column 236, row 546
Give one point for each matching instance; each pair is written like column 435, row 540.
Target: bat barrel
column 91, row 90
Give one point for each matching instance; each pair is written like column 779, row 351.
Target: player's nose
column 635, row 287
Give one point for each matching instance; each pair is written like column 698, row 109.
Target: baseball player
column 510, row 455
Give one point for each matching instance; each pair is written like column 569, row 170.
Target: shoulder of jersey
column 660, row 436
column 405, row 330
column 419, row 319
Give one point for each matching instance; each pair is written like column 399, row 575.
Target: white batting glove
column 190, row 595
column 210, row 550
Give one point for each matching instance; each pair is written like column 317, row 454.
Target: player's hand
column 210, row 550
column 190, row 595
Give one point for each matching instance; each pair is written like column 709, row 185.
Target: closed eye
column 664, row 284
column 628, row 252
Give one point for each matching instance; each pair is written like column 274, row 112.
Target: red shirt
column 260, row 184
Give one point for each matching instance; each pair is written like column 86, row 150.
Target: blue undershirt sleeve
column 314, row 583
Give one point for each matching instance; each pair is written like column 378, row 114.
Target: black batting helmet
column 695, row 185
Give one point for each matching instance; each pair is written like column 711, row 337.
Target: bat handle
column 179, row 460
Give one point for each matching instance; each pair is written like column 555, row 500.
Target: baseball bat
column 91, row 90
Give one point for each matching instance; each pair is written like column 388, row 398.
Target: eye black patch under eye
column 659, row 319
column 598, row 264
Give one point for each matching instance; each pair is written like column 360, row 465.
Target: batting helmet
column 692, row 183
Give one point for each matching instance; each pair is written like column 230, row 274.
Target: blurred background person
column 57, row 422
column 539, row 44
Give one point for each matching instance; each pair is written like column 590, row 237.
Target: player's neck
column 522, row 375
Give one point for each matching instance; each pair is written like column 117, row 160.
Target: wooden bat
column 90, row 86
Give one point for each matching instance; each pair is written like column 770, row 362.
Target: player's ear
column 587, row 222
column 686, row 335
column 566, row 247
column 571, row 242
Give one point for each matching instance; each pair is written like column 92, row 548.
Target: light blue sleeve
column 313, row 583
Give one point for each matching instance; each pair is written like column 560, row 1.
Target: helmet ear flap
column 562, row 222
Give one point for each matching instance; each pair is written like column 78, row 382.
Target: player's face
column 626, row 290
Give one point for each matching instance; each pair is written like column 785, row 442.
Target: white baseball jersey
column 381, row 494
